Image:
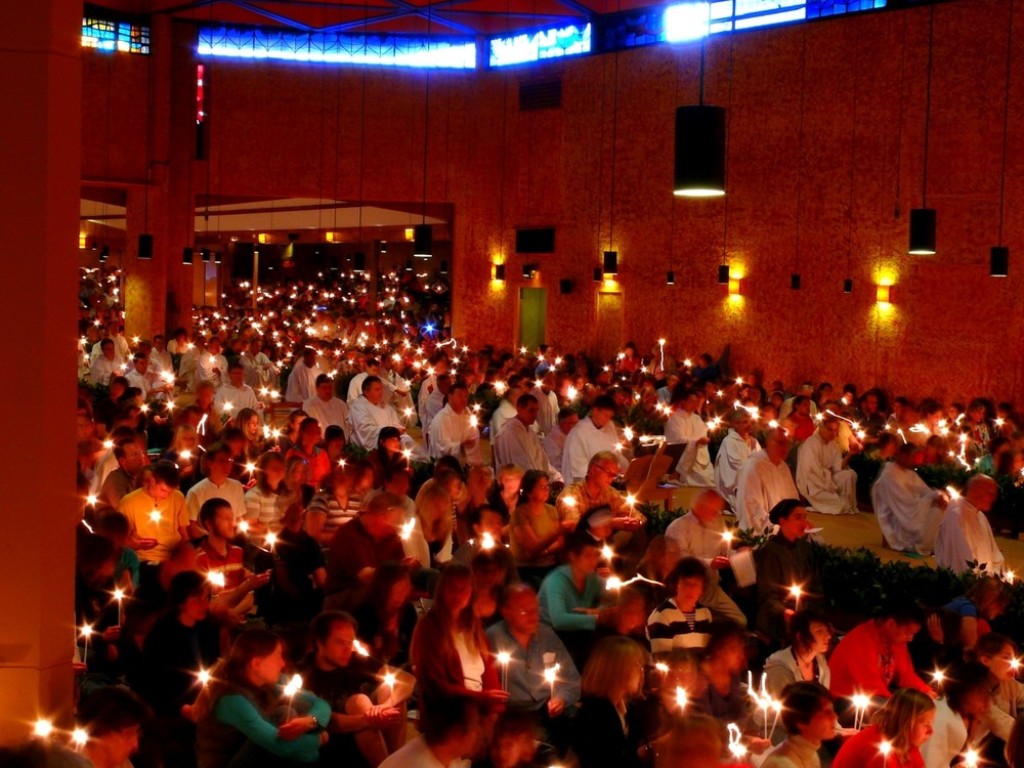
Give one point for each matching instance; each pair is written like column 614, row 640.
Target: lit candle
column 79, row 738
column 681, row 697
column 42, row 728
column 154, row 516
column 243, row 526
column 607, row 553
column 486, row 541
column 613, row 583
column 970, row 758
column 91, row 499
column 216, row 579
column 885, row 748
column 860, row 706
column 796, row 591
column 938, row 676
column 661, row 667
column 119, row 596
column 407, row 528
column 504, row 657
column 204, row 677
column 359, row 648
column 389, row 681
column 736, row 748
column 727, row 537
column 551, row 677
column 271, row 540
column 661, row 349
column 86, row 633
column 293, row 686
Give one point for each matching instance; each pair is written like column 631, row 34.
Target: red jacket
column 862, row 751
column 857, row 668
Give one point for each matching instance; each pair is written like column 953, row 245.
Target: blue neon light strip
column 540, row 45
column 373, row 50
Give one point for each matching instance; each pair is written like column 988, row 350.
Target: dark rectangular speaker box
column 539, row 240
column 565, row 286
column 145, row 246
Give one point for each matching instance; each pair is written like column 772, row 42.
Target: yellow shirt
column 582, row 501
column 138, row 506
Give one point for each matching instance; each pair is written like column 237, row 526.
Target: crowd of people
column 325, row 534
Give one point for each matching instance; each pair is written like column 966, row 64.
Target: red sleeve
column 905, row 676
column 854, row 666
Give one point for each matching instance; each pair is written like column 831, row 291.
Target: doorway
column 533, row 303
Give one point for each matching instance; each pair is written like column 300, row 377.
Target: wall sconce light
column 104, row 253
column 530, row 271
column 499, row 273
column 611, row 264
column 734, row 286
column 205, row 253
column 598, row 275
column 410, row 233
column 82, row 240
column 145, row 247
column 359, row 262
column 883, row 294
column 216, row 257
column 187, row 256
column 922, row 232
column 670, row 278
column 262, row 238
column 999, row 261
column 423, row 241
column 332, row 237
column 723, row 274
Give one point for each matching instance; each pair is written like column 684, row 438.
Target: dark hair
column 800, row 625
column 166, row 472
column 577, row 541
column 565, row 413
column 183, row 586
column 448, row 716
column 783, row 509
column 92, row 552
column 687, row 568
column 961, row 680
column 332, row 433
column 902, row 611
column 722, row 633
column 253, row 643
column 477, row 513
column 323, row 378
column 801, row 701
column 605, row 402
column 386, row 433
column 113, row 523
column 530, row 480
column 209, row 510
column 525, row 400
column 323, row 624
column 111, row 708
column 369, row 381
column 992, row 643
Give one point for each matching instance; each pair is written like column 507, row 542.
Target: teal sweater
column 558, row 598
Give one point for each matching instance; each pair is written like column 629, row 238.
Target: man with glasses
column 595, row 490
column 822, row 473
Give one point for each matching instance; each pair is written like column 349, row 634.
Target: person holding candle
column 291, row 430
column 535, row 531
column 369, row 413
column 234, row 395
column 895, row 737
column 873, row 658
column 241, row 717
column 823, row 475
column 265, row 502
column 217, row 555
column 809, row 719
column 249, row 421
column 724, row 661
column 908, row 511
column 430, row 538
column 504, row 494
column 605, row 733
column 679, row 622
column 387, row 617
column 367, row 721
column 685, row 425
column 450, row 653
column 965, row 535
column 130, row 456
column 157, row 514
column 451, row 734
column 453, row 431
column 786, row 560
column 533, row 647
column 184, row 452
column 738, row 445
column 702, row 534
column 212, row 367
column 554, row 442
column 998, row 654
column 308, row 448
column 961, row 715
column 302, row 379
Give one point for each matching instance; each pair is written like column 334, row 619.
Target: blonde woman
column 430, row 540
column 606, row 732
column 903, row 724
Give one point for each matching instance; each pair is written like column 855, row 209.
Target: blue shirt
column 526, row 685
column 962, row 606
column 559, row 598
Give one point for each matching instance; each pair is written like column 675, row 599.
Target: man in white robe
column 763, row 481
column 438, row 364
column 590, row 436
column 189, row 362
column 355, row 385
column 435, row 402
column 104, row 367
column 506, row 409
column 738, row 446
column 518, row 444
column 327, row 408
column 159, row 358
column 554, row 443
column 260, row 370
column 369, row 414
column 822, row 476
column 212, row 366
column 454, row 431
column 965, row 535
column 908, row 511
column 302, row 379
column 149, row 381
column 547, row 415
column 686, row 426
column 122, row 352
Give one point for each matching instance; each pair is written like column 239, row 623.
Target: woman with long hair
column 244, row 717
column 605, row 733
column 999, row 655
column 535, row 531
column 450, row 653
column 184, row 452
column 504, row 494
column 291, row 431
column 895, row 736
column 309, row 449
column 387, row 617
column 248, row 420
column 389, row 457
column 264, row 501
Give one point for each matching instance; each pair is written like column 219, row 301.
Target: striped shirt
column 668, row 627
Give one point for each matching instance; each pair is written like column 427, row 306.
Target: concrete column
column 40, row 153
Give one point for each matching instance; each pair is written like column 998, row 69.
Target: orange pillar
column 40, row 153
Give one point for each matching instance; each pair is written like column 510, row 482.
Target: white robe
column 733, row 451
column 260, row 370
column 205, row 369
column 355, row 386
column 554, row 445
column 582, row 442
column 760, row 485
column 965, row 535
column 547, row 417
column 101, row 371
column 503, row 413
column 160, row 361
column 449, row 430
column 906, row 509
column 368, row 420
column 333, row 412
column 302, row 383
column 239, row 397
column 518, row 444
column 694, row 465
column 431, row 407
column 821, row 479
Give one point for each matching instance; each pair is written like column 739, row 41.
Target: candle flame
column 42, row 728
column 79, row 737
column 503, row 657
column 294, row 685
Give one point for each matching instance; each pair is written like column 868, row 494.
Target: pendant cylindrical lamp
column 611, row 263
column 999, row 261
column 422, row 241
column 700, row 151
column 922, row 232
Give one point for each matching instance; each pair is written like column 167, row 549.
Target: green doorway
column 533, row 309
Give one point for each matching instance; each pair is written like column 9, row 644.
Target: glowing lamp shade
column 734, row 286
column 611, row 263
column 82, row 238
column 410, row 232
column 422, row 241
column 999, row 261
column 700, row 151
column 883, row 294
column 922, row 232
column 332, row 237
column 262, row 238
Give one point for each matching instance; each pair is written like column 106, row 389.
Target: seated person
column 986, row 600
column 999, row 653
column 786, row 563
column 245, row 718
column 904, row 724
column 763, row 481
column 451, row 733
column 112, row 718
column 803, row 661
column 221, row 560
column 300, row 571
column 535, row 533
column 873, row 658
column 387, row 617
column 809, row 719
column 367, row 720
column 965, row 535
column 822, row 474
column 725, row 660
column 679, row 622
column 959, row 715
column 908, row 510
column 513, row 744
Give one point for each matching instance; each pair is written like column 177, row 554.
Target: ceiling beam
column 280, row 19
